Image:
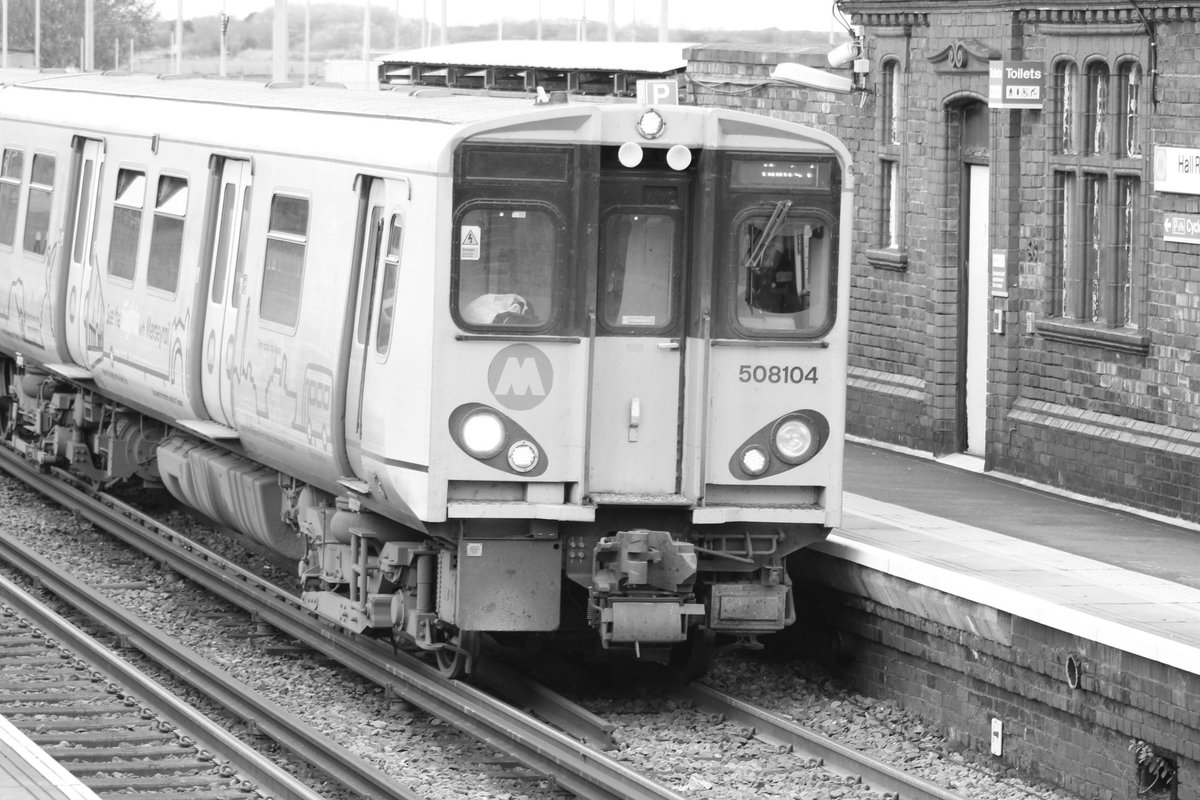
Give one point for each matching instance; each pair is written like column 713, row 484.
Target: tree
column 62, row 27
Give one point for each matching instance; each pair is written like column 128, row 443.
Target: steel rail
column 248, row 763
column 568, row 763
column 776, row 730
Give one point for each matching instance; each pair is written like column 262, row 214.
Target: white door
column 371, row 246
column 86, row 303
column 978, row 320
column 224, row 290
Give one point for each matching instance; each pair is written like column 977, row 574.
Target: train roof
column 424, row 105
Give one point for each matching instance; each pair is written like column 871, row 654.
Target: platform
column 1104, row 573
column 27, row 773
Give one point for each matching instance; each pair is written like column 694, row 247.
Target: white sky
column 712, row 14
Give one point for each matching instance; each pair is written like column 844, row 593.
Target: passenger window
column 126, row 224
column 224, row 230
column 507, row 259
column 370, row 265
column 37, row 208
column 166, row 237
column 10, row 194
column 786, row 265
column 239, row 264
column 283, row 274
column 636, row 270
column 387, row 298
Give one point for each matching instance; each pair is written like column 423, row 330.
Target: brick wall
column 1097, row 410
column 961, row 665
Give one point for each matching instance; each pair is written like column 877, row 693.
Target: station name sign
column 1177, row 169
column 1016, row 84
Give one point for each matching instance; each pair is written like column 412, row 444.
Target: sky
column 712, row 14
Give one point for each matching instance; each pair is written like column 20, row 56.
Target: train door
column 85, row 303
column 224, row 289
column 371, row 249
column 637, row 359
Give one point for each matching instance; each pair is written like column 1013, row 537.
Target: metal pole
column 367, row 43
column 131, row 55
column 89, row 35
column 539, row 25
column 663, row 34
column 279, row 43
column 307, row 36
column 179, row 37
column 396, row 27
column 442, row 34
column 117, row 55
column 221, row 65
column 612, row 20
column 37, row 34
column 4, row 24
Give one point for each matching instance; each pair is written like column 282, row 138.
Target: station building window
column 283, row 274
column 37, row 207
column 10, row 194
column 126, row 224
column 1096, row 193
column 888, row 248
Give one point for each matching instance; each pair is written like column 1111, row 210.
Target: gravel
column 697, row 756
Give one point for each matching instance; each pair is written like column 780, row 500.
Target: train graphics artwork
column 479, row 366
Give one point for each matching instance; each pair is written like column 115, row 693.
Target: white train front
column 478, row 365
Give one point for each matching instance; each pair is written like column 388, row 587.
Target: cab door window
column 637, row 270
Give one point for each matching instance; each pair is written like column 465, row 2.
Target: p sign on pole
column 658, row 93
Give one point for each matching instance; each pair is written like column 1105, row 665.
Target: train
column 531, row 370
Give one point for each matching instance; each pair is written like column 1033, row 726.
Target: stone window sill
column 1122, row 340
column 889, row 258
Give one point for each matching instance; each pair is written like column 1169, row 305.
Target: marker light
column 794, row 440
column 651, row 124
column 754, row 460
column 679, row 158
column 630, row 154
column 483, row 433
column 523, row 456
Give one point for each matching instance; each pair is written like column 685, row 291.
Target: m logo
column 520, row 377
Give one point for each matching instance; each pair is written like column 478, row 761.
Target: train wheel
column 458, row 662
column 691, row 659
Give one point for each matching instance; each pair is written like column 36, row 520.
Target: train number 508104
column 776, row 374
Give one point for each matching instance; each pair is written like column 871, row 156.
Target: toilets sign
column 1015, row 84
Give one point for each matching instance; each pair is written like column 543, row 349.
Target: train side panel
column 141, row 287
column 35, row 184
column 294, row 300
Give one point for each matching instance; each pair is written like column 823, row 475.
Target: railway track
column 111, row 726
column 570, row 762
column 854, row 767
column 566, row 762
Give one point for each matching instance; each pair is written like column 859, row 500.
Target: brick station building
column 1026, row 283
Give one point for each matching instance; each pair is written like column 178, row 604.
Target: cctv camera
column 843, row 54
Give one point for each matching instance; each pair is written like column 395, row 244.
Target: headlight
column 483, row 433
column 794, row 440
column 754, row 460
column 523, row 456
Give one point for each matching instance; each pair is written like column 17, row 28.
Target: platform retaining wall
column 960, row 665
